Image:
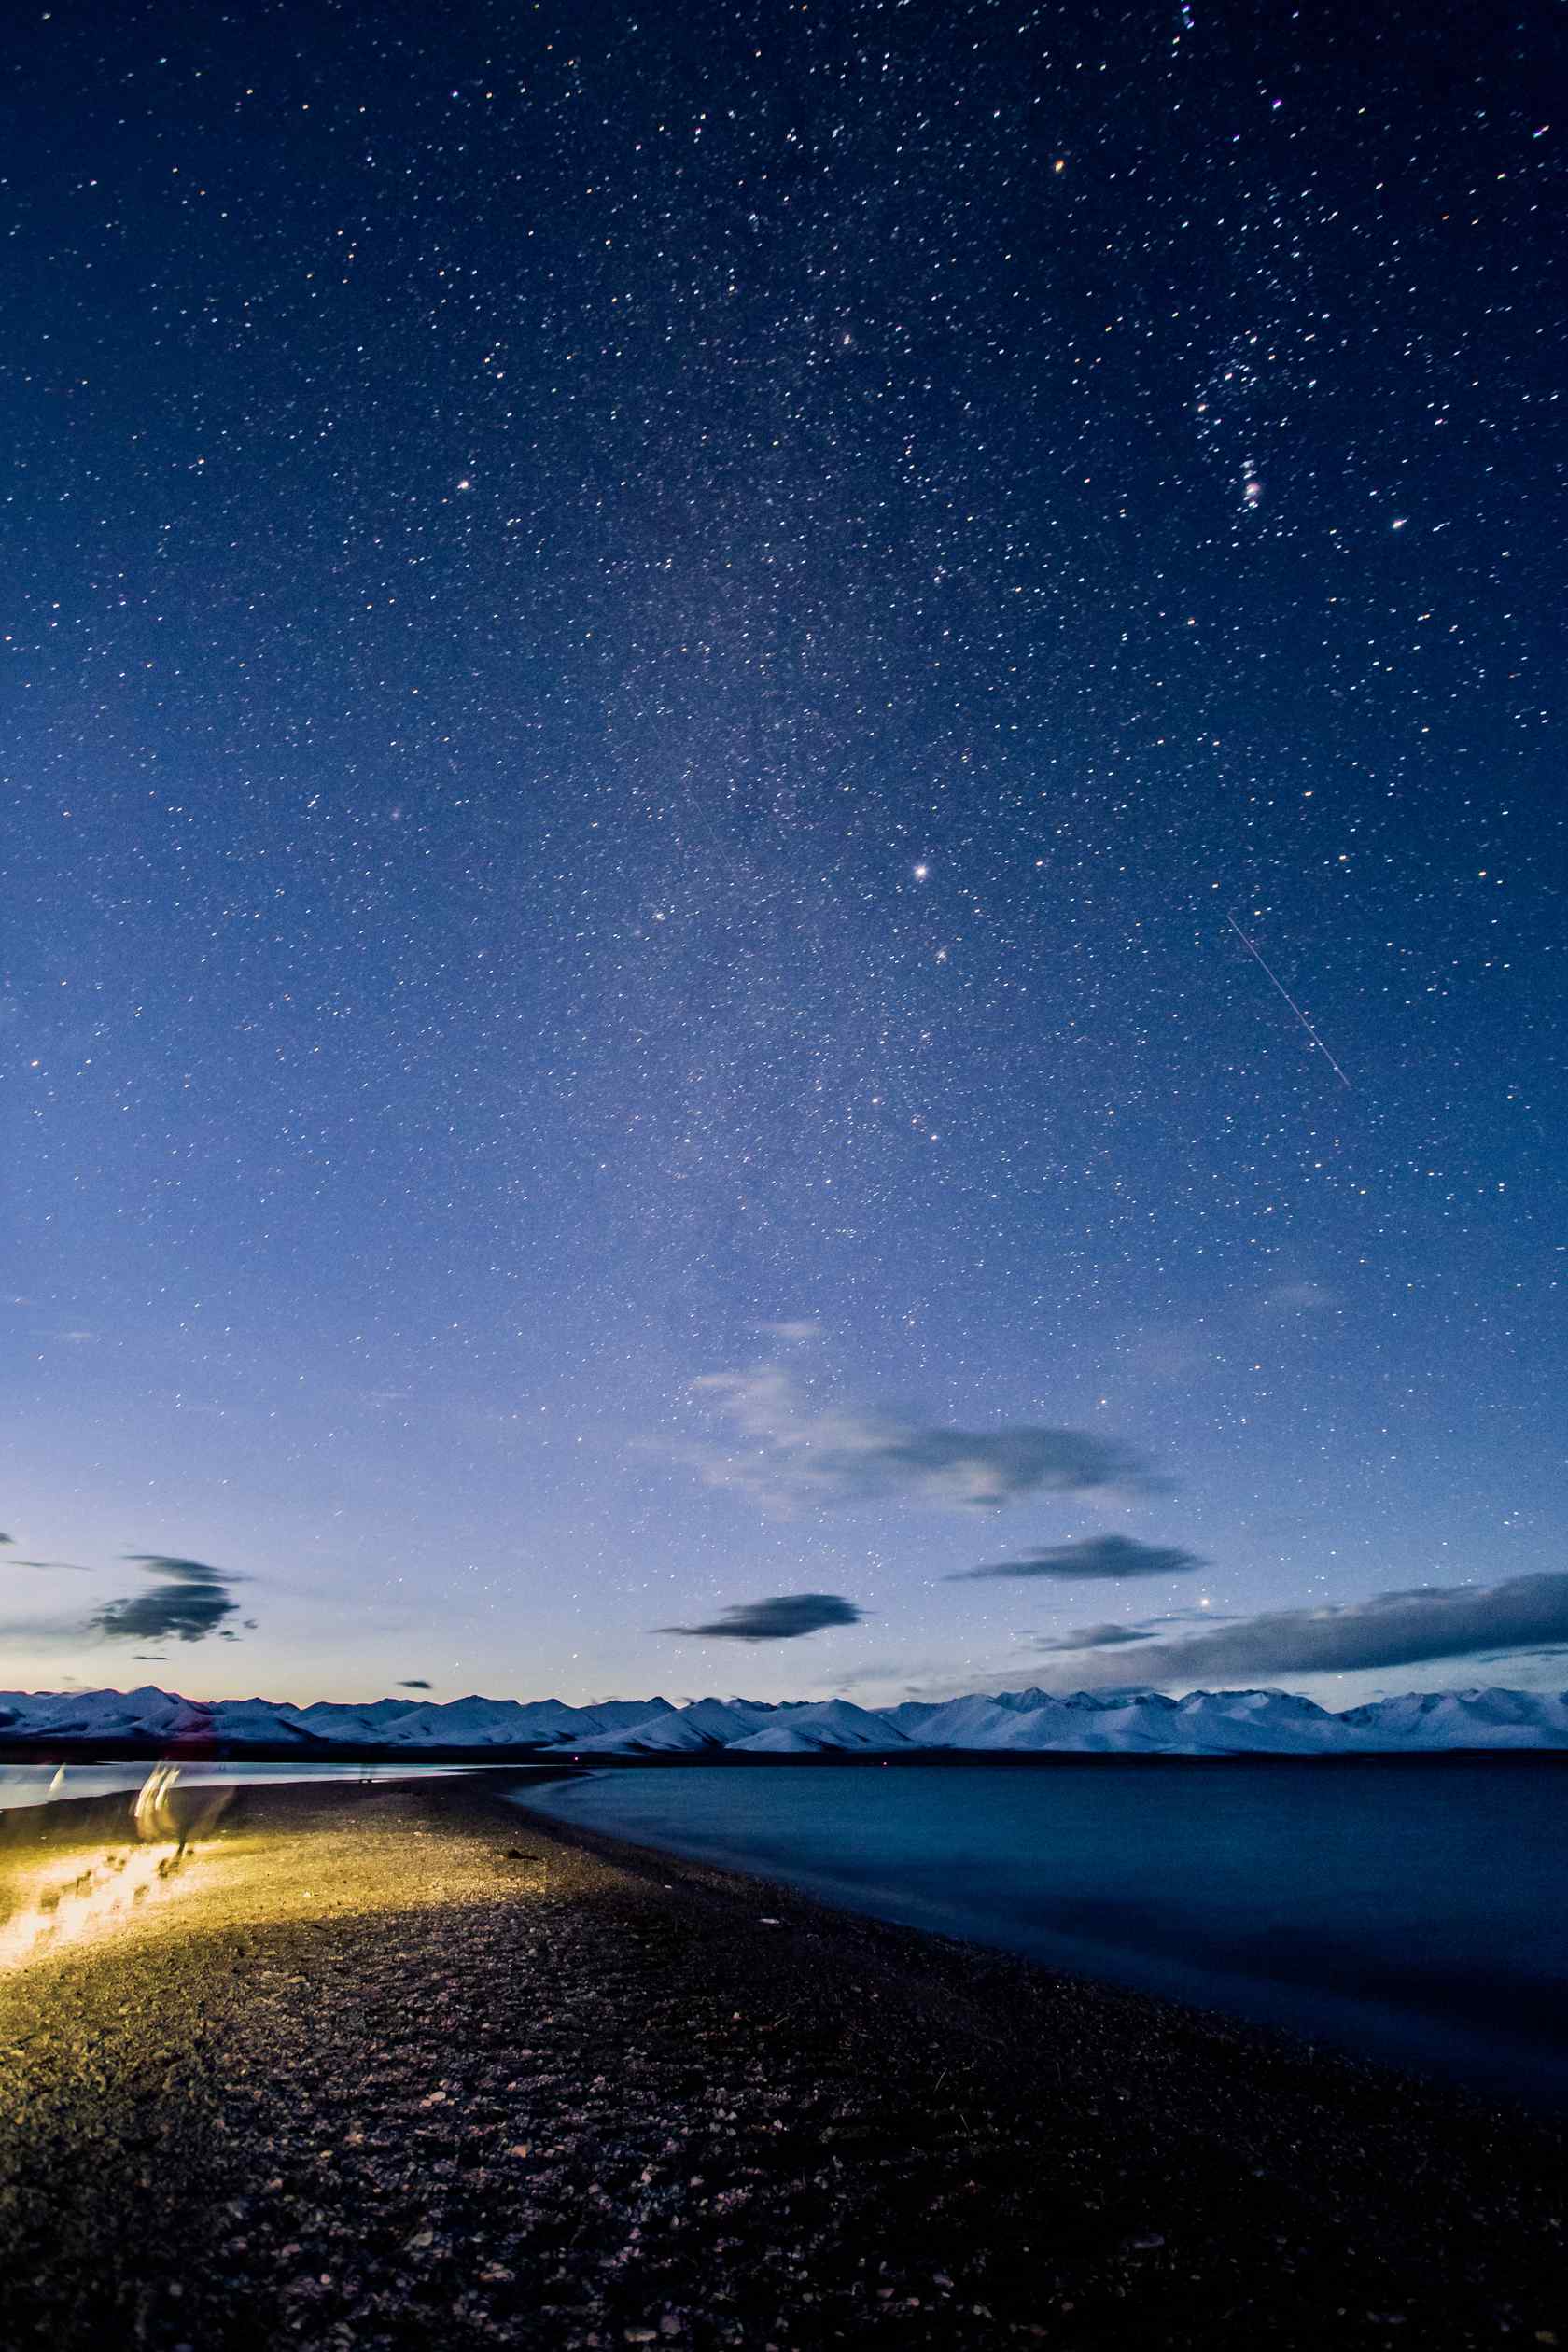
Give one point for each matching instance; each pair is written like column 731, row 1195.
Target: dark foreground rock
column 404, row 2068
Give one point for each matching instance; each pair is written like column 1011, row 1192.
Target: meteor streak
column 1295, row 1008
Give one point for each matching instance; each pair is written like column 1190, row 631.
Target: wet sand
column 406, row 2067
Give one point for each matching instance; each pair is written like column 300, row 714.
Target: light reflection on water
column 47, row 1784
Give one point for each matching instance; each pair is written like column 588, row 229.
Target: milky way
column 670, row 689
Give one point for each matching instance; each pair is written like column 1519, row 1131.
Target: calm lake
column 49, row 1784
column 1414, row 1910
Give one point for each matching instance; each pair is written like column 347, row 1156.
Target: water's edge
column 1492, row 2025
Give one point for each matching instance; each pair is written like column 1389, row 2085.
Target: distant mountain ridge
column 1007, row 1722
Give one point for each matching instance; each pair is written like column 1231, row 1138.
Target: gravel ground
column 404, row 2068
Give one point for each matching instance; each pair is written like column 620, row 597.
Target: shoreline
column 288, row 2109
column 39, row 1753
column 1465, row 2023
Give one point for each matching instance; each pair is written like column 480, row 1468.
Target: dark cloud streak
column 1091, row 1559
column 784, row 1619
column 1093, row 1637
column 1390, row 1629
column 190, row 1603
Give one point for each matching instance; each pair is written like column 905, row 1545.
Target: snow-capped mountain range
column 1008, row 1722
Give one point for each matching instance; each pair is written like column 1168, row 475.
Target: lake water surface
column 47, row 1784
column 1412, row 1909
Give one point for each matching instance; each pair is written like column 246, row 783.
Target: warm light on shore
column 62, row 1903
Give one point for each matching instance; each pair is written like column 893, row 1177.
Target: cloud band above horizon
column 1390, row 1629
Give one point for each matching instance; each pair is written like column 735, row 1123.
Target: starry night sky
column 783, row 814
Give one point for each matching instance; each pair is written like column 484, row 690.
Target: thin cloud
column 189, row 1603
column 1093, row 1637
column 417, row 1685
column 1390, row 1629
column 784, row 1619
column 1089, row 1560
column 802, row 1455
column 1117, row 1633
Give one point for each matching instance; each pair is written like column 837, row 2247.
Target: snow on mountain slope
column 1090, row 1723
column 1141, row 1725
column 471, row 1722
column 376, row 1710
column 725, row 1719
column 835, row 1723
column 977, row 1721
column 911, row 1712
column 354, row 1725
column 1087, row 1724
column 476, row 1722
column 1204, row 1723
column 619, row 1714
column 258, row 1721
column 662, row 1735
column 1273, row 1722
column 1463, row 1719
column 1025, row 1702
column 146, row 1713
column 707, row 1723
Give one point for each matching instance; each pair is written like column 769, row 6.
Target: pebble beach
column 404, row 2066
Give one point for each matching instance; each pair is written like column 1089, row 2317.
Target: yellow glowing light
column 101, row 1892
column 62, row 1902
